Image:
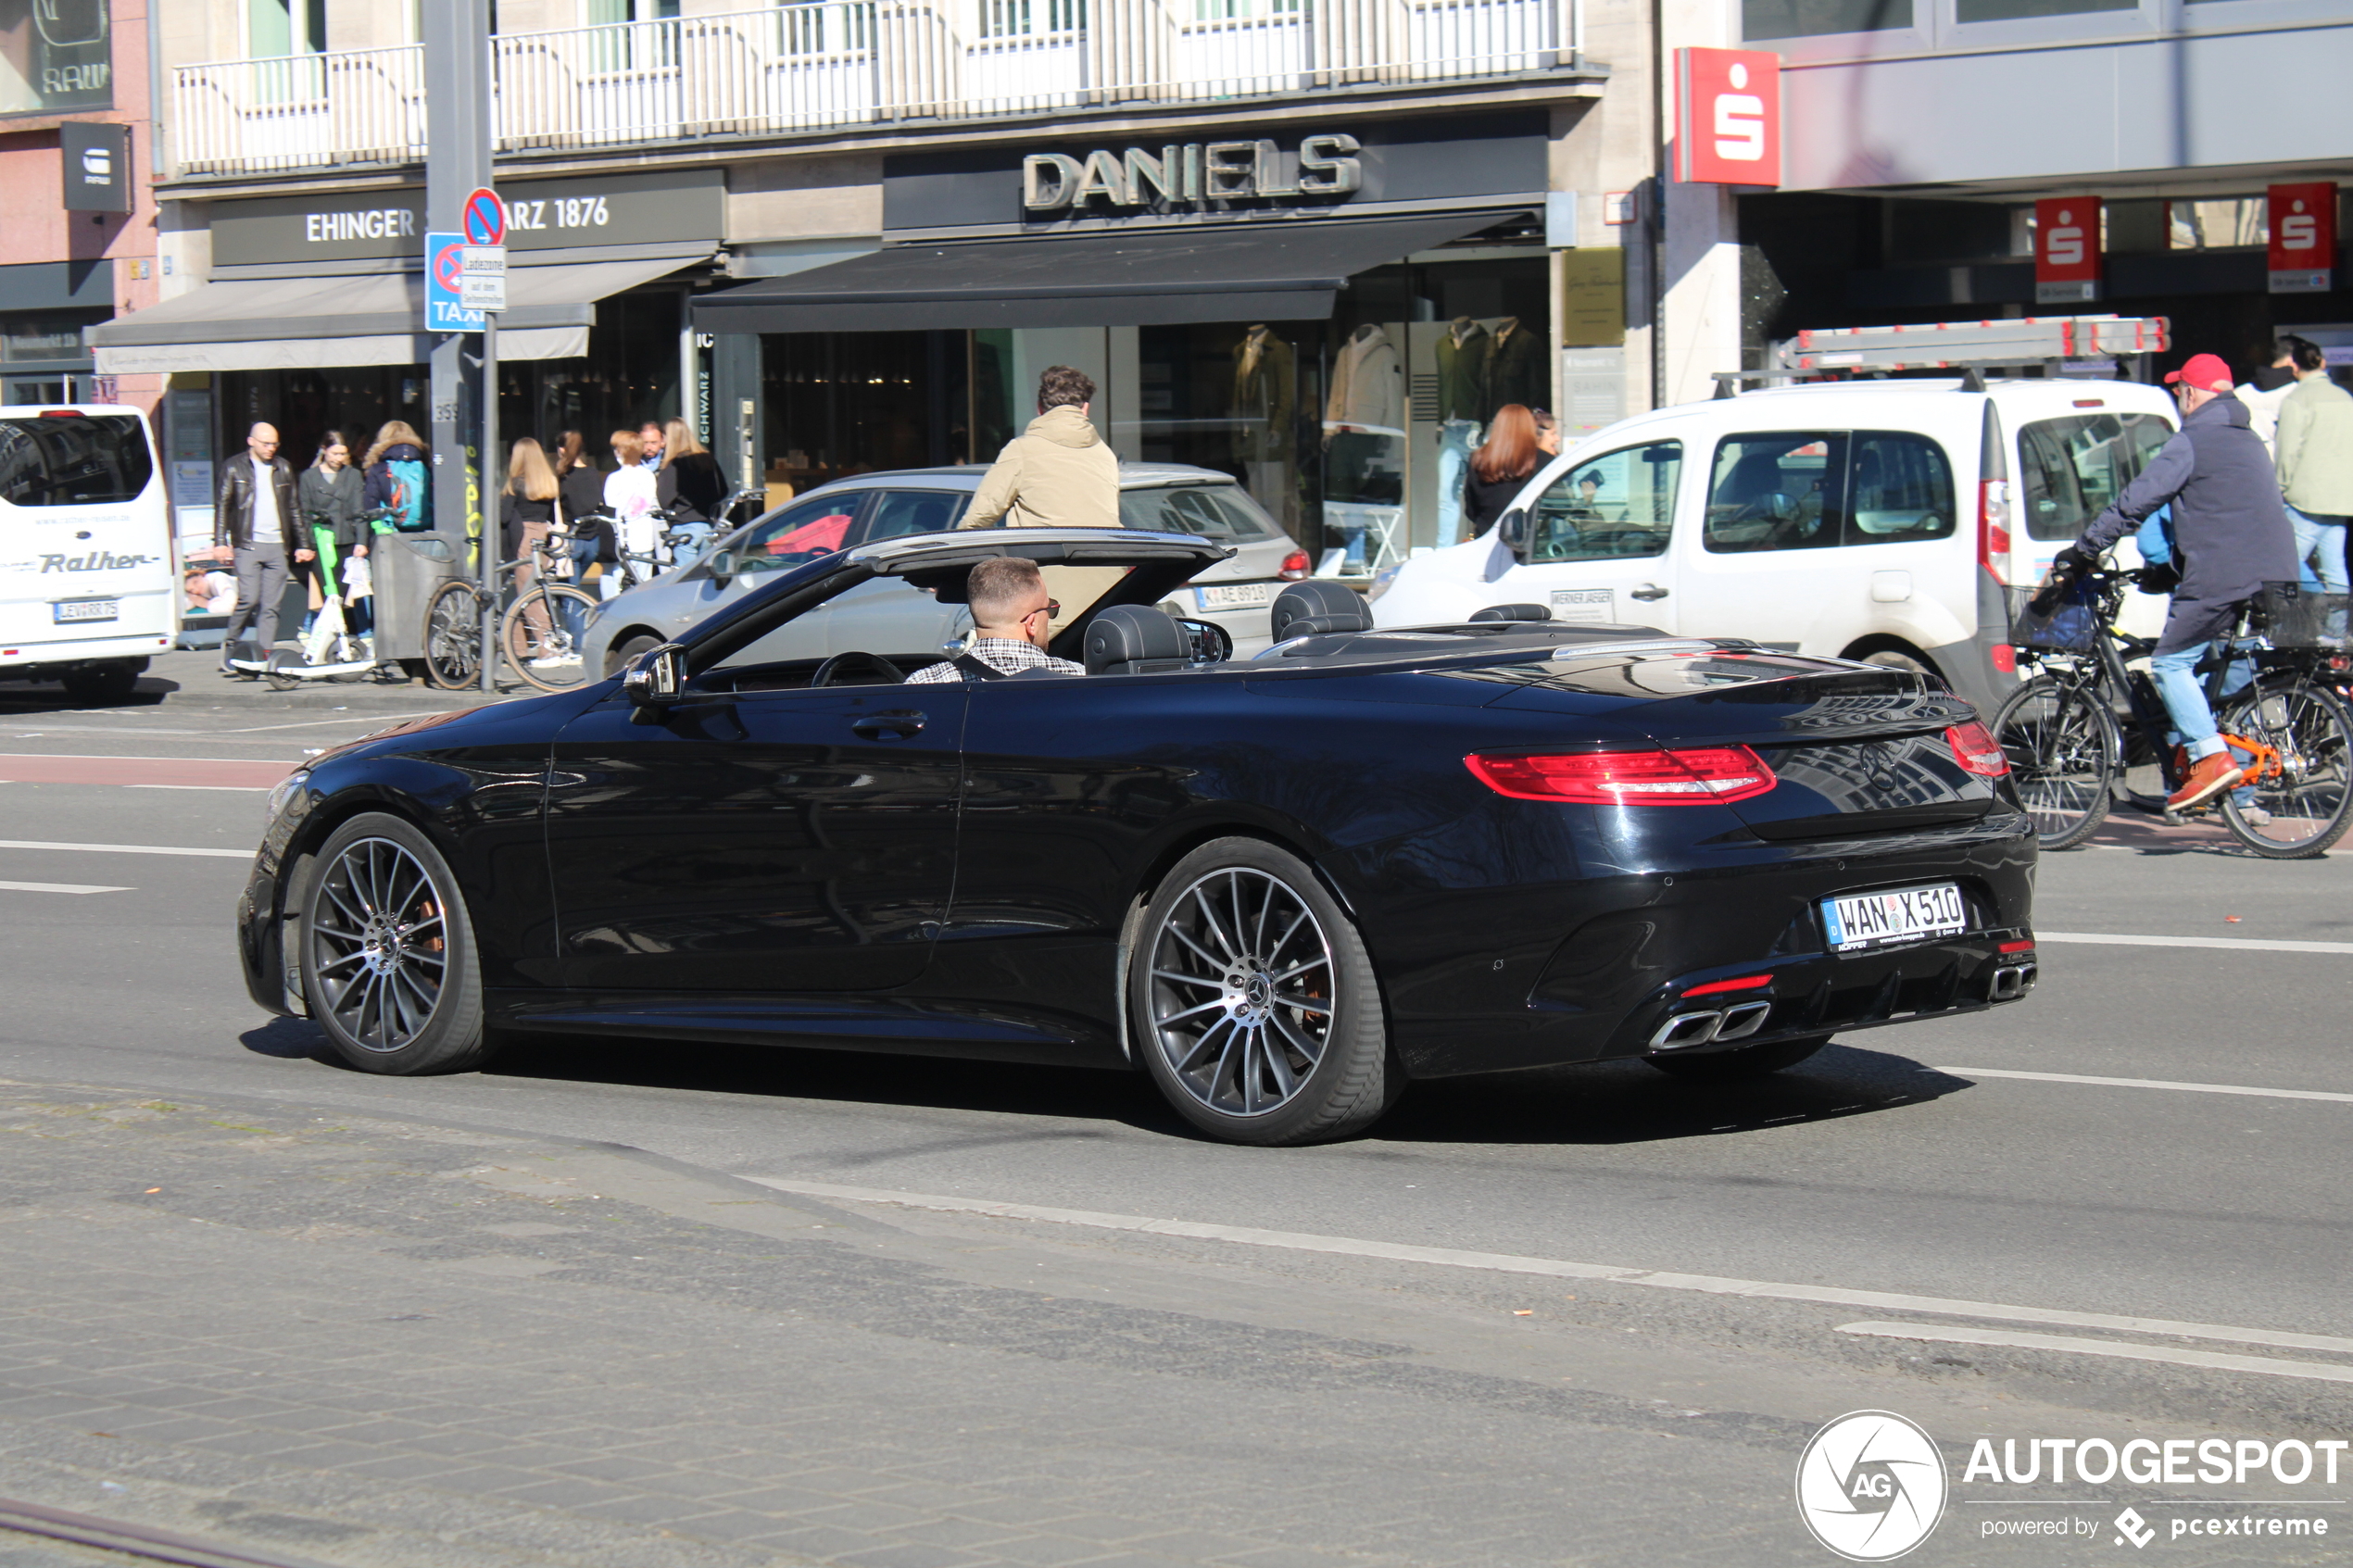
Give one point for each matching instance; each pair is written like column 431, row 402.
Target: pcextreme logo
column 1870, row 1485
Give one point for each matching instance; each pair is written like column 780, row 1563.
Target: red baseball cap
column 2205, row 371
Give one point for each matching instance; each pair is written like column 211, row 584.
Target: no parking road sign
column 482, row 280
column 445, row 309
column 485, row 219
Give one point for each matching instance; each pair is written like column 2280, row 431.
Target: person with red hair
column 1501, row 468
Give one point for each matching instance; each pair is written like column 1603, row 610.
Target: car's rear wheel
column 1748, row 1062
column 1253, row 1002
column 389, row 964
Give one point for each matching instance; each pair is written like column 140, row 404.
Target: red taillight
column 1746, row 983
column 2004, row 659
column 1294, row 567
column 2027, row 947
column 1690, row 777
column 61, row 413
column 1994, row 524
column 1977, row 751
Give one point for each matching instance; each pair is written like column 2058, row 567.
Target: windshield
column 2071, row 467
column 72, row 459
column 1221, row 513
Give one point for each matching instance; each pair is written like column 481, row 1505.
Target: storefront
column 312, row 316
column 1329, row 314
column 44, row 307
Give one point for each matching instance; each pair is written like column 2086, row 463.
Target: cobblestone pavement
column 372, row 1342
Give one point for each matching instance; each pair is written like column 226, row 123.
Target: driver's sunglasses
column 1050, row 611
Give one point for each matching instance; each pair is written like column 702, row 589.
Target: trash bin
column 405, row 569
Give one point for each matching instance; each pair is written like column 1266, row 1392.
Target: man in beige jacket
column 2315, row 460
column 1058, row 474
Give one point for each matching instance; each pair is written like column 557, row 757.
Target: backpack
column 406, row 479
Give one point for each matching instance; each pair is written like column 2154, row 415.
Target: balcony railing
column 827, row 63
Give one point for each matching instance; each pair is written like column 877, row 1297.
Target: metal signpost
column 457, row 35
column 481, row 285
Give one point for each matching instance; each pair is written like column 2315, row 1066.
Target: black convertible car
column 1284, row 887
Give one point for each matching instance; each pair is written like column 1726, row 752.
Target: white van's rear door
column 85, row 545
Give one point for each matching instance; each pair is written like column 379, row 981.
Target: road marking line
column 1513, row 1263
column 236, row 789
column 56, row 887
column 124, row 848
column 103, row 757
column 2320, row 1369
column 2151, row 1083
column 2232, row 943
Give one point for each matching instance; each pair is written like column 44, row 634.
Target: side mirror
column 1511, row 529
column 654, row 680
column 722, row 566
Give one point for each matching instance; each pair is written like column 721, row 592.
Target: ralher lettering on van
column 104, row 561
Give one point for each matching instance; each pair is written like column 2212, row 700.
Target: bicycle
column 2272, row 692
column 539, row 630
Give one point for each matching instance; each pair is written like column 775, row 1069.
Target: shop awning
column 371, row 318
column 1277, row 270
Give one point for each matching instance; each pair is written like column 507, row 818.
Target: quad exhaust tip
column 2011, row 982
column 1687, row 1029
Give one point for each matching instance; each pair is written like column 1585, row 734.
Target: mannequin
column 1462, row 403
column 1364, row 436
column 1515, row 370
column 1266, row 394
column 1368, row 381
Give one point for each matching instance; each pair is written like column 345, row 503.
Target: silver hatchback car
column 1238, row 592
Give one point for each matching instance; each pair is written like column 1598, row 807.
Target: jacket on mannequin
column 1462, row 371
column 1368, row 381
column 1265, row 382
column 1515, row 370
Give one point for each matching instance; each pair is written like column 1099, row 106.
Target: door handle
column 896, row 725
column 1648, row 591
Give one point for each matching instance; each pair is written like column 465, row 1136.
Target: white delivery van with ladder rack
column 1877, row 519
column 89, row 586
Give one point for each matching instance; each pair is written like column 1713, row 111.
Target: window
column 1811, row 18
column 1810, row 490
column 895, row 513
column 85, row 460
column 798, row 534
column 1222, row 512
column 1619, row 505
column 2074, row 467
column 2019, row 10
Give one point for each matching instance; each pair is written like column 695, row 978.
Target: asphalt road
column 2112, row 1212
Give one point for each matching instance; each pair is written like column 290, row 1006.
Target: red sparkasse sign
column 2303, row 225
column 2066, row 250
column 1728, row 116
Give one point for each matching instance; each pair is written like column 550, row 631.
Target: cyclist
column 2231, row 536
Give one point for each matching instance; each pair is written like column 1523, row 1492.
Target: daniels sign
column 1191, row 174
column 1728, row 116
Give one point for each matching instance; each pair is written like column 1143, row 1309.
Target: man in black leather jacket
column 254, row 514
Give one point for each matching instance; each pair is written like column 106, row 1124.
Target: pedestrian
column 1548, row 433
column 1060, row 472
column 254, row 516
column 632, row 497
column 1500, row 469
column 2315, row 459
column 530, row 505
column 691, row 489
column 654, row 436
column 2264, row 391
column 329, row 496
column 395, row 480
column 1013, row 615
column 584, row 488
column 2234, row 537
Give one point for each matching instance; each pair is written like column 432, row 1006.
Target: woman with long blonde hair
column 690, row 488
column 528, row 510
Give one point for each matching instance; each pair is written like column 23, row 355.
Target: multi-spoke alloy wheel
column 1253, row 1002
column 387, row 954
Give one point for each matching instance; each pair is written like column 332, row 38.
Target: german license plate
column 1233, row 595
column 85, row 610
column 1863, row 921
column 1595, row 607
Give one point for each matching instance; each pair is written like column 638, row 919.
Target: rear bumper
column 45, row 660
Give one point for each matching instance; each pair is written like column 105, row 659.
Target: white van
column 89, row 588
column 1873, row 520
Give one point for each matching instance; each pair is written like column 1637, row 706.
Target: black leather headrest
column 1134, row 640
column 1319, row 605
column 1512, row 612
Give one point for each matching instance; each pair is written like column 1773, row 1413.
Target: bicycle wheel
column 2308, row 797
column 453, row 636
column 2064, row 755
column 539, row 639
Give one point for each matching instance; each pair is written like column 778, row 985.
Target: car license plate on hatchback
column 84, row 610
column 1233, row 595
column 1863, row 921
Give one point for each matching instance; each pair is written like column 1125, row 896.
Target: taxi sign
column 445, row 310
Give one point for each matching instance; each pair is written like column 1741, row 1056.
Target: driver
column 1012, row 620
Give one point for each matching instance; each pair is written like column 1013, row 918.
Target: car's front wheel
column 1253, row 1003
column 387, row 952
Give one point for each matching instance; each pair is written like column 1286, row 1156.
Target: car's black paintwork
column 809, row 866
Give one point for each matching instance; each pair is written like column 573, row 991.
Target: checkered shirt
column 1002, row 653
